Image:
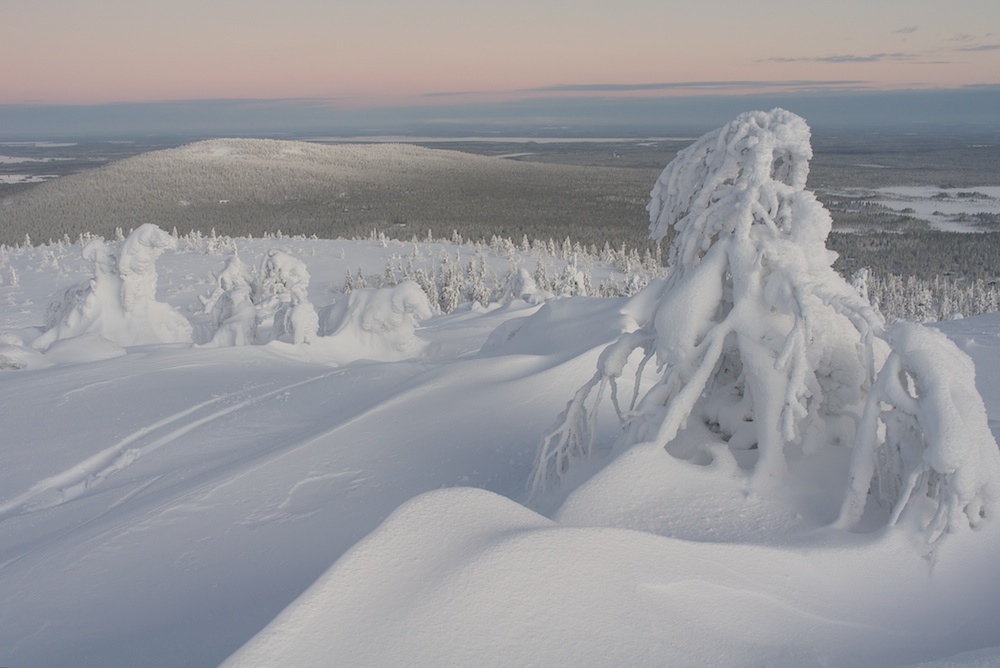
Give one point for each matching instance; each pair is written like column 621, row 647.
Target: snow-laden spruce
column 377, row 323
column 119, row 302
column 231, row 306
column 755, row 336
column 245, row 309
column 283, row 306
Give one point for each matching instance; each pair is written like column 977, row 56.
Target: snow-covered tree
column 924, row 436
column 757, row 337
column 119, row 302
column 376, row 323
column 231, row 305
column 282, row 299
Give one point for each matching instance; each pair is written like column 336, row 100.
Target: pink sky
column 386, row 52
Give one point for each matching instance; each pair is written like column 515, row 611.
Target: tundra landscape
column 505, row 402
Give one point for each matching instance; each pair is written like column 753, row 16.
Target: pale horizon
column 355, row 56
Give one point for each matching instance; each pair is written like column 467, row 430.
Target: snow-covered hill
column 253, row 186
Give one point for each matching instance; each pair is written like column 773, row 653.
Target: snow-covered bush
column 284, row 311
column 119, row 302
column 231, row 307
column 376, row 323
column 521, row 285
column 924, row 436
column 758, row 338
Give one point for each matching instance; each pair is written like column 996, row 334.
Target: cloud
column 842, row 58
column 688, row 85
column 906, row 30
column 980, row 47
column 455, row 93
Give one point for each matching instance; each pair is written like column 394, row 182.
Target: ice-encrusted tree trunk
column 753, row 333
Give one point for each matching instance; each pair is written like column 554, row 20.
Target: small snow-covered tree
column 924, row 436
column 282, row 299
column 119, row 302
column 231, row 306
column 757, row 337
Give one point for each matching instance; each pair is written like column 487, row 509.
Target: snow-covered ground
column 161, row 504
column 26, row 178
column 356, row 491
column 947, row 209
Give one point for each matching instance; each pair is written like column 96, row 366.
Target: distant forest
column 592, row 193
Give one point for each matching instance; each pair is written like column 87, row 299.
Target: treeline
column 454, row 271
column 924, row 255
column 535, row 271
column 939, row 298
column 568, row 268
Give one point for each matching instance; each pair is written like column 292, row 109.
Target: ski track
column 79, row 479
column 83, row 480
column 416, row 385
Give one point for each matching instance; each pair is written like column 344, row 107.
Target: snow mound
column 84, row 348
column 14, row 357
column 467, row 577
column 376, row 323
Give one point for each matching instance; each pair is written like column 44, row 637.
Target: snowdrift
column 463, row 576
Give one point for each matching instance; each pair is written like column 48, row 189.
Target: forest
column 589, row 197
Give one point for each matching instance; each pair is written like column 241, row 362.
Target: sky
column 354, row 56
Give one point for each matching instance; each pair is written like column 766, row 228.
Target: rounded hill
column 253, row 186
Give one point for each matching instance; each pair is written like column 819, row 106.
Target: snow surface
column 162, row 504
column 947, row 209
column 206, row 461
column 26, row 178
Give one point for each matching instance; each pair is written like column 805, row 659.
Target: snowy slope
column 159, row 505
column 706, row 573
